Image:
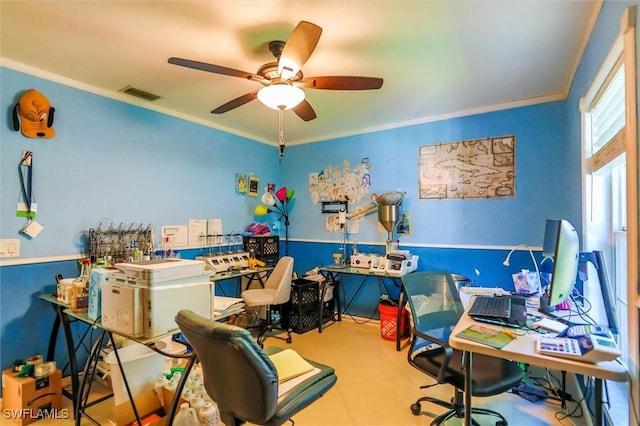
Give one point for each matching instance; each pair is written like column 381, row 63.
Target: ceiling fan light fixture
column 281, row 96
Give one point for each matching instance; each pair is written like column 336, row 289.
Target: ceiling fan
column 283, row 80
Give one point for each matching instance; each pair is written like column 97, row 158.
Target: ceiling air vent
column 139, row 93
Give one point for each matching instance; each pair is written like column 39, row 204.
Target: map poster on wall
column 476, row 168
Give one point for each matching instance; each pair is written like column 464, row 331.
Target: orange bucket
column 389, row 321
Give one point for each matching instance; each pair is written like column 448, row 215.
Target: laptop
column 509, row 311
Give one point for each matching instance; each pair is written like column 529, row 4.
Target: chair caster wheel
column 415, row 409
column 288, row 339
column 501, row 423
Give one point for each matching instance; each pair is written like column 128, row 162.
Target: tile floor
column 376, row 386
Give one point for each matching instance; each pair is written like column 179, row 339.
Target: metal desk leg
column 355, row 294
column 321, row 305
column 399, row 319
column 467, row 388
column 336, row 295
column 53, row 338
column 63, row 320
column 84, row 388
column 598, row 402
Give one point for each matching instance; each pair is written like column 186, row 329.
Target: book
column 223, row 305
column 487, row 336
column 289, row 364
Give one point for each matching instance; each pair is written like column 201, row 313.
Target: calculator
column 559, row 346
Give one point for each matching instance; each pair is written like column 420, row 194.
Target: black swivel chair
column 241, row 378
column 435, row 310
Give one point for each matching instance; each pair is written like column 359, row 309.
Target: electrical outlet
column 10, row 248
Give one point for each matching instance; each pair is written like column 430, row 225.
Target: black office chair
column 435, row 310
column 241, row 378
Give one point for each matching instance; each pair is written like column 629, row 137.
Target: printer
column 143, row 298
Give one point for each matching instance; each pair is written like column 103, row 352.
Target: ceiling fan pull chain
column 281, row 130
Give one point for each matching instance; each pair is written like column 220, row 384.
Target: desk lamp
column 279, row 207
column 535, row 264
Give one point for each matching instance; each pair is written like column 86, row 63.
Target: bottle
column 158, row 385
column 209, row 415
column 197, row 403
column 186, row 416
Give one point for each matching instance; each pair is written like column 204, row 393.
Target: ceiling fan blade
column 305, row 111
column 217, row 69
column 342, row 83
column 235, row 103
column 298, row 48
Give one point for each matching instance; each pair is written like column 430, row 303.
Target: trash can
column 141, row 365
column 389, row 319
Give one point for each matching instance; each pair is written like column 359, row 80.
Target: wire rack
column 115, row 244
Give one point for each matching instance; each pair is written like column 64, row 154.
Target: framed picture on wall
column 241, row 184
column 254, row 183
column 404, row 226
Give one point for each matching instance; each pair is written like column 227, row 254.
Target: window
column 610, row 183
column 603, row 112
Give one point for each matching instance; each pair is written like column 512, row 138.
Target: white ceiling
column 438, row 58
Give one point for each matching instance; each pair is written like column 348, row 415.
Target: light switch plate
column 10, row 248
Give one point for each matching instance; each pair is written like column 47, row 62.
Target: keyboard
column 491, row 307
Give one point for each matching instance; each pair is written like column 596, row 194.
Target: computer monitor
column 564, row 238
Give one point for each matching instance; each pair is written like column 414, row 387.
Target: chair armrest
column 436, row 328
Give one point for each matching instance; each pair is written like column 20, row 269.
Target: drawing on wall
column 475, row 168
column 404, row 226
column 335, row 184
column 241, row 184
column 347, row 184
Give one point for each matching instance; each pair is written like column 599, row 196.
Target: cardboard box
column 147, row 403
column 25, row 399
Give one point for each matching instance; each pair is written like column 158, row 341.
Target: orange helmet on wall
column 33, row 114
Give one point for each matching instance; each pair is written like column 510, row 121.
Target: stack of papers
column 227, row 305
column 289, row 364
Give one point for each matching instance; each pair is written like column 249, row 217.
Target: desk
column 522, row 349
column 64, row 321
column 333, row 275
column 64, row 316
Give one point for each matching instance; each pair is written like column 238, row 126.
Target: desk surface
column 523, row 349
column 346, row 269
column 84, row 317
column 237, row 274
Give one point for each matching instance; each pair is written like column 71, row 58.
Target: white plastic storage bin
column 141, row 365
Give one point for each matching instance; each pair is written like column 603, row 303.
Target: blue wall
column 110, row 162
column 546, row 180
column 113, row 162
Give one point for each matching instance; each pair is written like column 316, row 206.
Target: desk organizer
column 304, row 306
